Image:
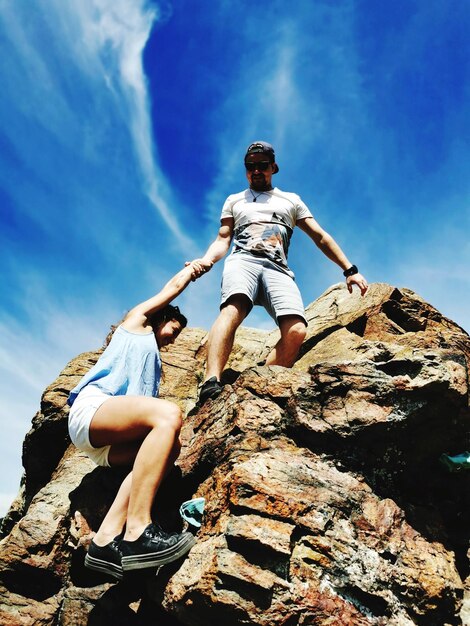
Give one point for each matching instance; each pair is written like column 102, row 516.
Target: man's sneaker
column 105, row 559
column 154, row 548
column 210, row 389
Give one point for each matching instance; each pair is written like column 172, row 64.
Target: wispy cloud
column 31, row 360
column 81, row 172
column 121, row 29
column 100, row 43
column 6, row 500
column 302, row 92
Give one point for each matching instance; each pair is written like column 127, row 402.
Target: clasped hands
column 199, row 267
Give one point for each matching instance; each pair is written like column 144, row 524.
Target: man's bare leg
column 293, row 331
column 222, row 334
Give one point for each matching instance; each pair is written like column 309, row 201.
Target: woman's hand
column 136, row 319
column 198, row 267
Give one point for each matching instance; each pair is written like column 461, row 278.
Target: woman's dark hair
column 169, row 312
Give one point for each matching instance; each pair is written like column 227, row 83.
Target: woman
column 116, row 419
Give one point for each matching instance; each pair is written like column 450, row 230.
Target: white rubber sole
column 105, row 567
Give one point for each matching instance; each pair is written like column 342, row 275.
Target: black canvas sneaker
column 210, row 389
column 155, row 547
column 105, row 559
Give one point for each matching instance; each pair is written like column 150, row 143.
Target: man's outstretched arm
column 219, row 246
column 331, row 249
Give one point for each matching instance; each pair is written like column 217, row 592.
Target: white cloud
column 33, row 351
column 6, row 500
column 83, row 83
column 124, row 28
column 100, row 43
column 301, row 91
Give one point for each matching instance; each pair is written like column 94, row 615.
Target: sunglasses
column 262, row 166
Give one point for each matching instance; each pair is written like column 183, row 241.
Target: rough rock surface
column 326, row 503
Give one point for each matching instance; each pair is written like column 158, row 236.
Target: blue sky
column 123, row 125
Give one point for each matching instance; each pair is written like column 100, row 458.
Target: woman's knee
column 169, row 416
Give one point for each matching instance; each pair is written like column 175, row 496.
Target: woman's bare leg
column 114, row 520
column 149, row 469
column 122, row 421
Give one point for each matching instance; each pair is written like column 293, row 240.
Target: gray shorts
column 264, row 283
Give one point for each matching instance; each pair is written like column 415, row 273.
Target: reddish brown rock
column 326, row 503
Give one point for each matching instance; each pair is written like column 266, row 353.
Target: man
column 260, row 220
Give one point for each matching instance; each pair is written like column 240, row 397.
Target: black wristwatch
column 352, row 270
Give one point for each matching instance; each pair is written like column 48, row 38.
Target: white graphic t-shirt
column 264, row 227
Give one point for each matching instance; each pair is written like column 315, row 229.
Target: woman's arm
column 136, row 319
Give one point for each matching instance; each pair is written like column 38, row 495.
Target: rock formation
column 326, row 503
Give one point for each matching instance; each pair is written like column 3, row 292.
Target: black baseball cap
column 262, row 147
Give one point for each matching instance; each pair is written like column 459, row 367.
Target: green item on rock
column 192, row 510
column 457, row 462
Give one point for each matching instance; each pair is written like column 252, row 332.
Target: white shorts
column 264, row 283
column 81, row 413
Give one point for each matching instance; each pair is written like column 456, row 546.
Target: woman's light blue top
column 130, row 365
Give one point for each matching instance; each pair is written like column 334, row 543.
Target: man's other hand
column 359, row 280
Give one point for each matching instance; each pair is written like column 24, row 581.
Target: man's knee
column 294, row 332
column 236, row 307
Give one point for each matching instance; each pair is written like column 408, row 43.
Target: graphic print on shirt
column 264, row 228
column 262, row 238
